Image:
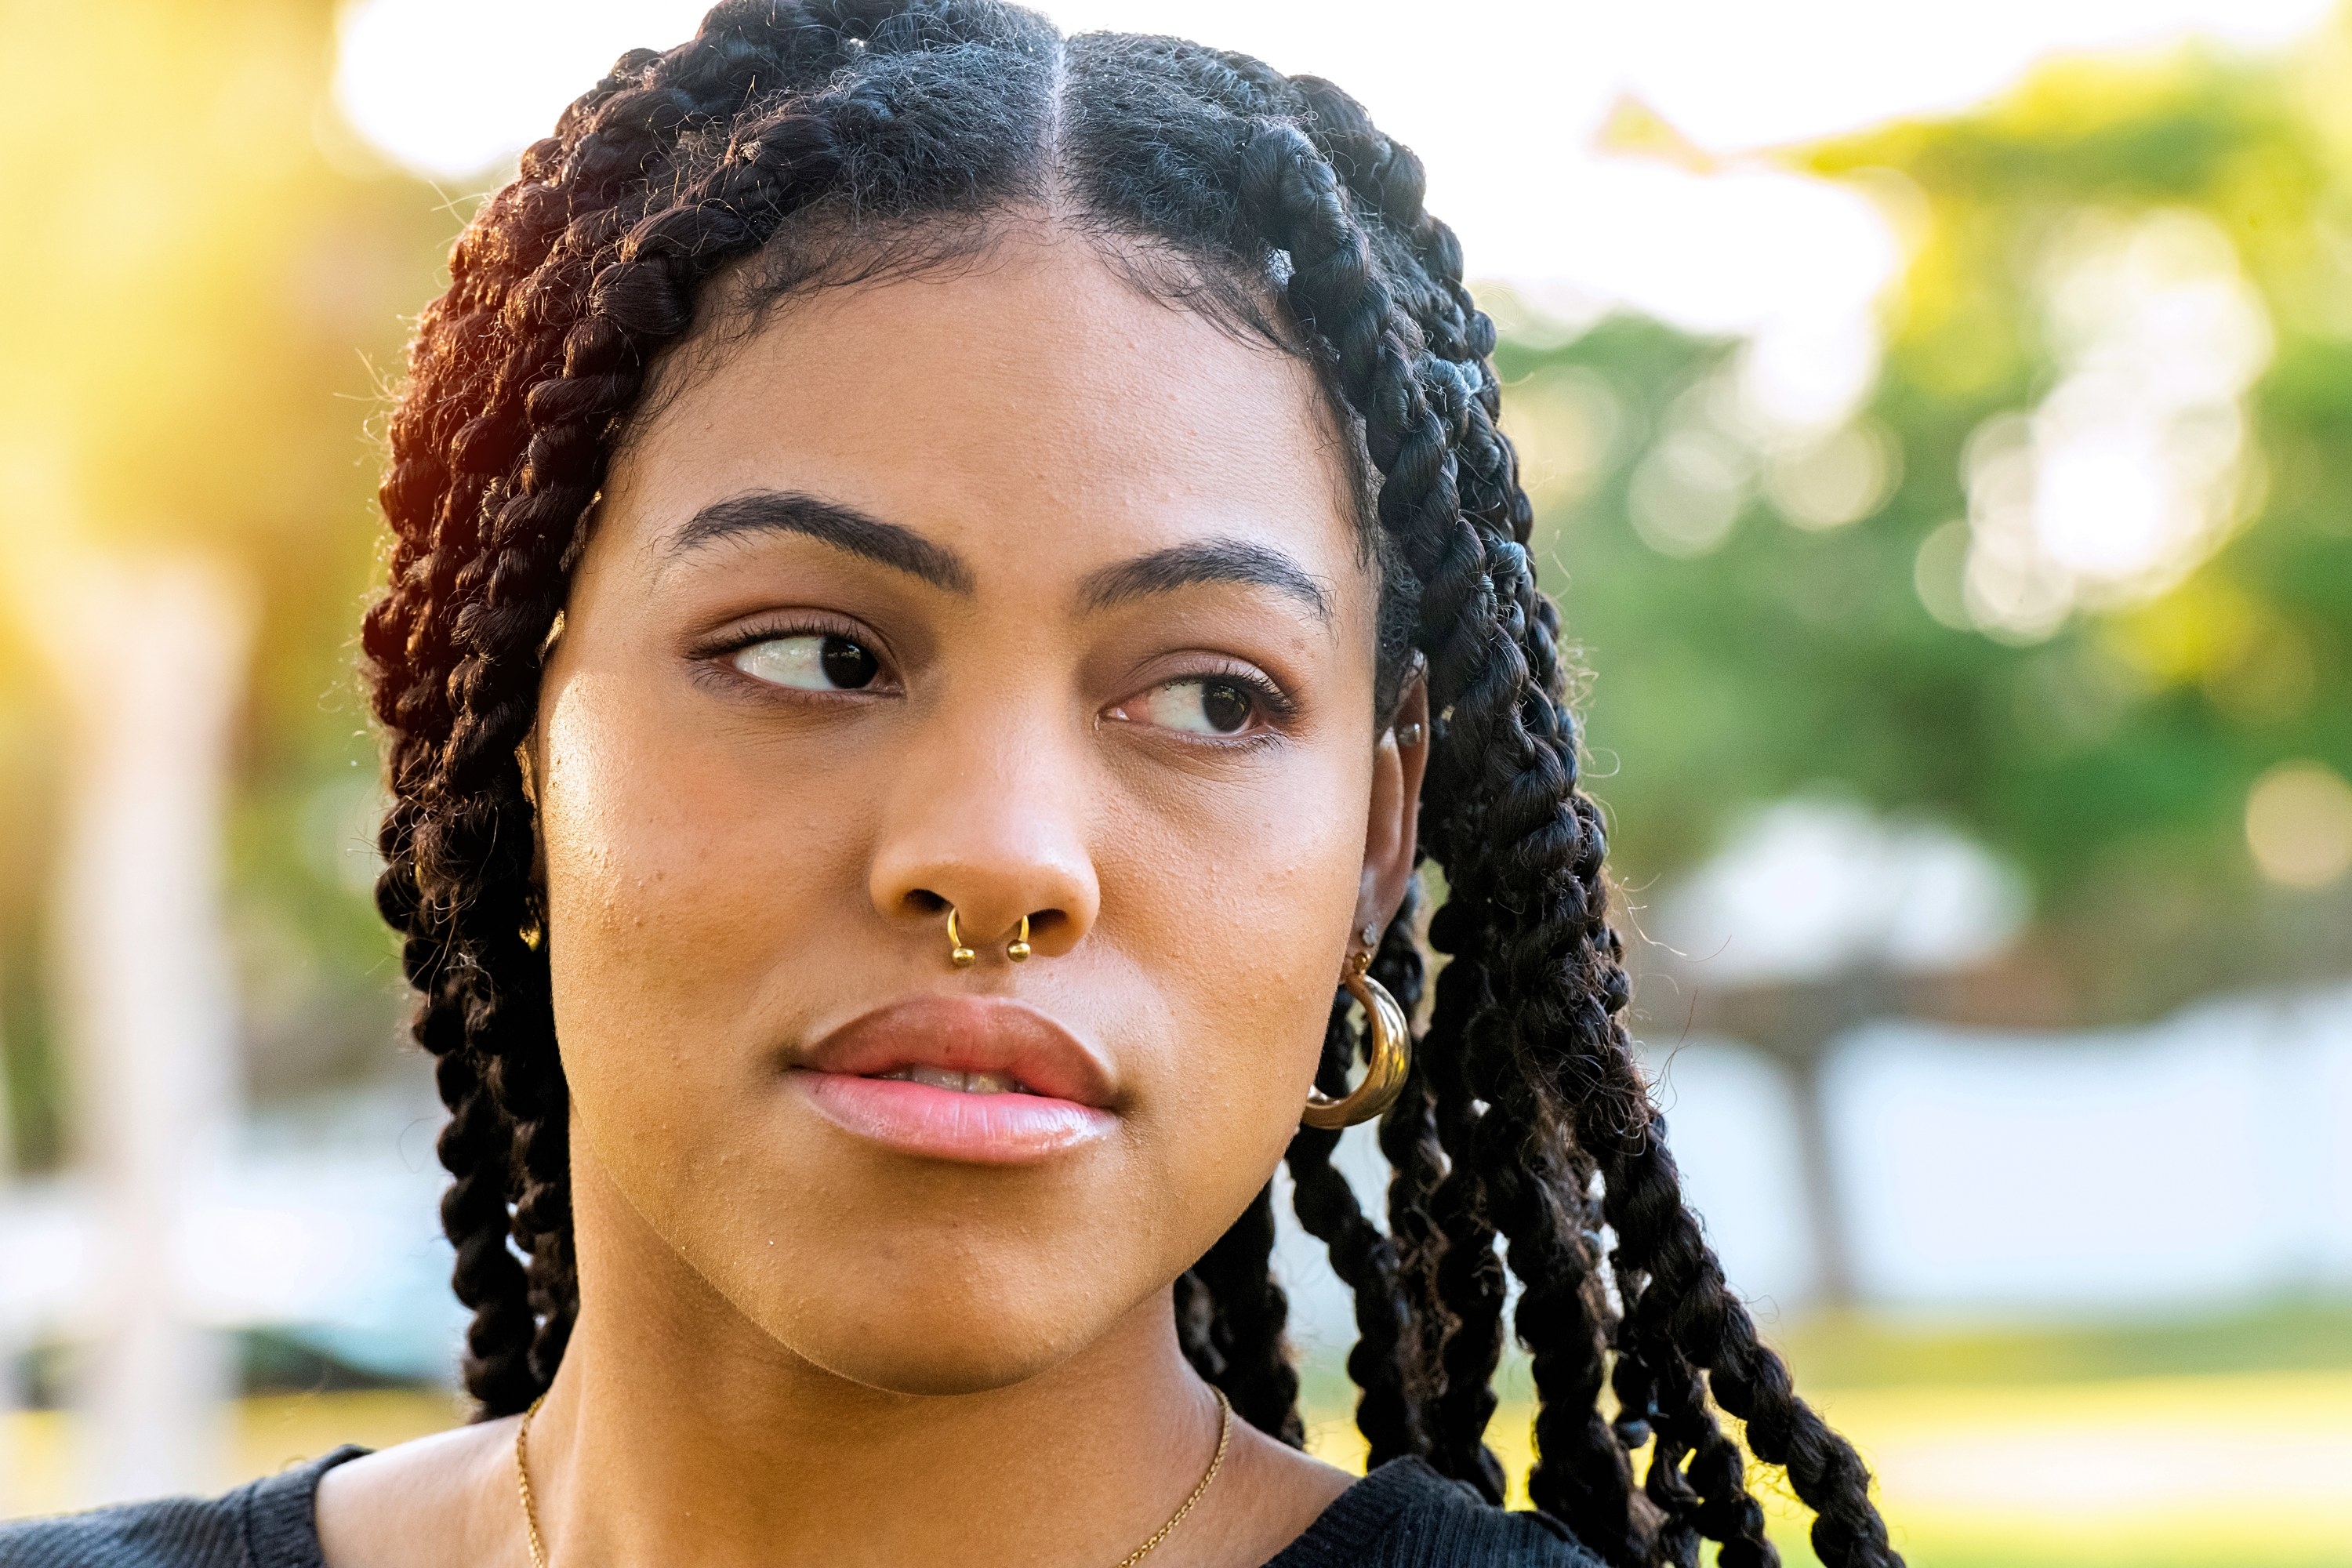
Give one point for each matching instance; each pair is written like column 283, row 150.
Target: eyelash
column 713, row 660
column 1275, row 703
column 1273, row 708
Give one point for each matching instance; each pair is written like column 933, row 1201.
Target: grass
column 1857, row 1351
column 2219, row 1441
column 2217, row 1471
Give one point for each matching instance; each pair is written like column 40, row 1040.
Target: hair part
column 796, row 144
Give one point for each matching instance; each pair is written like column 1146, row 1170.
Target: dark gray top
column 1402, row 1515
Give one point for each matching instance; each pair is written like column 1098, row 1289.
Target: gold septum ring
column 963, row 956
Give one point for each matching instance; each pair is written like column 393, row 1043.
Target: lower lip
column 947, row 1124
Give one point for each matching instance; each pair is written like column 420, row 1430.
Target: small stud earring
column 1370, row 934
column 1017, row 950
column 1408, row 736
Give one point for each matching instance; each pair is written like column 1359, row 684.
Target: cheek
column 1240, row 919
column 677, row 884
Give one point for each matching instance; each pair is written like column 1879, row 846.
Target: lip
column 1067, row 1087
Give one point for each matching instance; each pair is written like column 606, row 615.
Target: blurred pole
column 1834, row 1282
column 1798, row 1023
column 150, row 657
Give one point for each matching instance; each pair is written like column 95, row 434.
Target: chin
column 950, row 1301
column 935, row 1342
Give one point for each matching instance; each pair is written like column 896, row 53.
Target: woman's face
column 1009, row 590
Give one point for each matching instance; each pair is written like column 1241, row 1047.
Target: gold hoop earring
column 1391, row 1055
column 960, row 956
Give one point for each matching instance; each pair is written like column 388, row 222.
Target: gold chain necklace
column 1216, row 1462
column 1225, row 1432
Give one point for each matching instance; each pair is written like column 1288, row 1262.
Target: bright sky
column 1502, row 98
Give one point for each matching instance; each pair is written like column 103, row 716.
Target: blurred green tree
column 1753, row 638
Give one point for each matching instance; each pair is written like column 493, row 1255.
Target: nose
column 997, row 832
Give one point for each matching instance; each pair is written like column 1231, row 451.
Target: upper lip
column 967, row 1034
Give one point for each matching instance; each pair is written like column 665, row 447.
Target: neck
column 678, row 1431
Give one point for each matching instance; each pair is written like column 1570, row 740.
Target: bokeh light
column 2130, row 472
column 2299, row 825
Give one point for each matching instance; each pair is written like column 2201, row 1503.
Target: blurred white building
column 2202, row 1162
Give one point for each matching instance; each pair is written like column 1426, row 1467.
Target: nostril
column 1048, row 931
column 923, row 901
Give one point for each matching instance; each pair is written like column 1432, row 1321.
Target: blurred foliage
column 2111, row 760
column 206, row 290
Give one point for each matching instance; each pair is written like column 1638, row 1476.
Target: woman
column 946, row 580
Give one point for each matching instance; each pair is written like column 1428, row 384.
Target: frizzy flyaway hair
column 1525, row 1129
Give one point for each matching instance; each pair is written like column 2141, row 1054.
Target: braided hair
column 1524, row 1143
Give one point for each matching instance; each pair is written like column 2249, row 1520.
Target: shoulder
column 1406, row 1515
column 424, row 1504
column 265, row 1525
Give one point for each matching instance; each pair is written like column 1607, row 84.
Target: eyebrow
column 828, row 522
column 1205, row 561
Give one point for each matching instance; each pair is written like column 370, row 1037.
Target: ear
column 1399, row 762
column 527, row 759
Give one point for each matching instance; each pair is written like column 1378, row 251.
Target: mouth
column 981, row 1080
column 959, row 1083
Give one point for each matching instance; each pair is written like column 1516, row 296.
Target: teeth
column 962, row 1082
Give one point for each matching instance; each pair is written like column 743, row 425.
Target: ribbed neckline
column 1345, row 1533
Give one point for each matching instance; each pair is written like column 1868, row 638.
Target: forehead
column 1033, row 398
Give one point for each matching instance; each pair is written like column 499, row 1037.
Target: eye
column 1199, row 705
column 810, row 661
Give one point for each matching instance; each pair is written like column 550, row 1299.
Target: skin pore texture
column 1006, row 586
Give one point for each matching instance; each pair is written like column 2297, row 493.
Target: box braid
column 1524, row 1132
column 1367, row 1259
